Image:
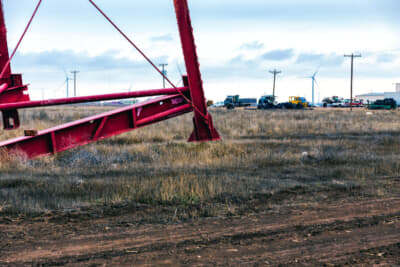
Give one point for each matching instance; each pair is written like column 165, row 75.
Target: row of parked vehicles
column 387, row 103
column 297, row 102
column 335, row 101
column 265, row 102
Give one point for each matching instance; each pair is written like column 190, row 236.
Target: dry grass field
column 325, row 179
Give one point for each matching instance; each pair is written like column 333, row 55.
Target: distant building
column 371, row 97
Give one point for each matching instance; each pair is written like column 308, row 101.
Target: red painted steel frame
column 104, row 125
column 98, row 127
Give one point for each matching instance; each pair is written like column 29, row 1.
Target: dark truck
column 387, row 103
column 233, row 101
column 267, row 102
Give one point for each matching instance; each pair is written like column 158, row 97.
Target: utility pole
column 163, row 72
column 352, row 56
column 74, row 72
column 274, row 72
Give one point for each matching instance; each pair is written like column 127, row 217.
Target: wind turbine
column 67, row 79
column 313, row 83
column 180, row 73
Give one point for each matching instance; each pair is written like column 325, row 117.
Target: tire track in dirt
column 295, row 233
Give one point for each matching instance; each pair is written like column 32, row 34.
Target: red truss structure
column 172, row 102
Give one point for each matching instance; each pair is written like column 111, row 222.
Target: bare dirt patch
column 365, row 231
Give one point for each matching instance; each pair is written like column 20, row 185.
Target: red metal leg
column 15, row 89
column 203, row 126
column 12, row 89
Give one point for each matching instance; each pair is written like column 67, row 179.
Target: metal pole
column 274, row 72
column 351, row 83
column 352, row 56
column 74, row 72
column 273, row 88
column 164, row 72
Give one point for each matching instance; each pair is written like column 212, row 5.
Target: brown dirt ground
column 345, row 232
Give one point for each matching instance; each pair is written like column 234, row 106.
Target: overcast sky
column 238, row 42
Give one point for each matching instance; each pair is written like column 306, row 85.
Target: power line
column 274, row 72
column 74, row 72
column 352, row 56
column 164, row 72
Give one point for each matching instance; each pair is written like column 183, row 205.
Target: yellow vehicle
column 298, row 101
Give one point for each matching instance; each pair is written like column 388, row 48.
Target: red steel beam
column 203, row 126
column 94, row 98
column 97, row 127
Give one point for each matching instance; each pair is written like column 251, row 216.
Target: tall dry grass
column 265, row 157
